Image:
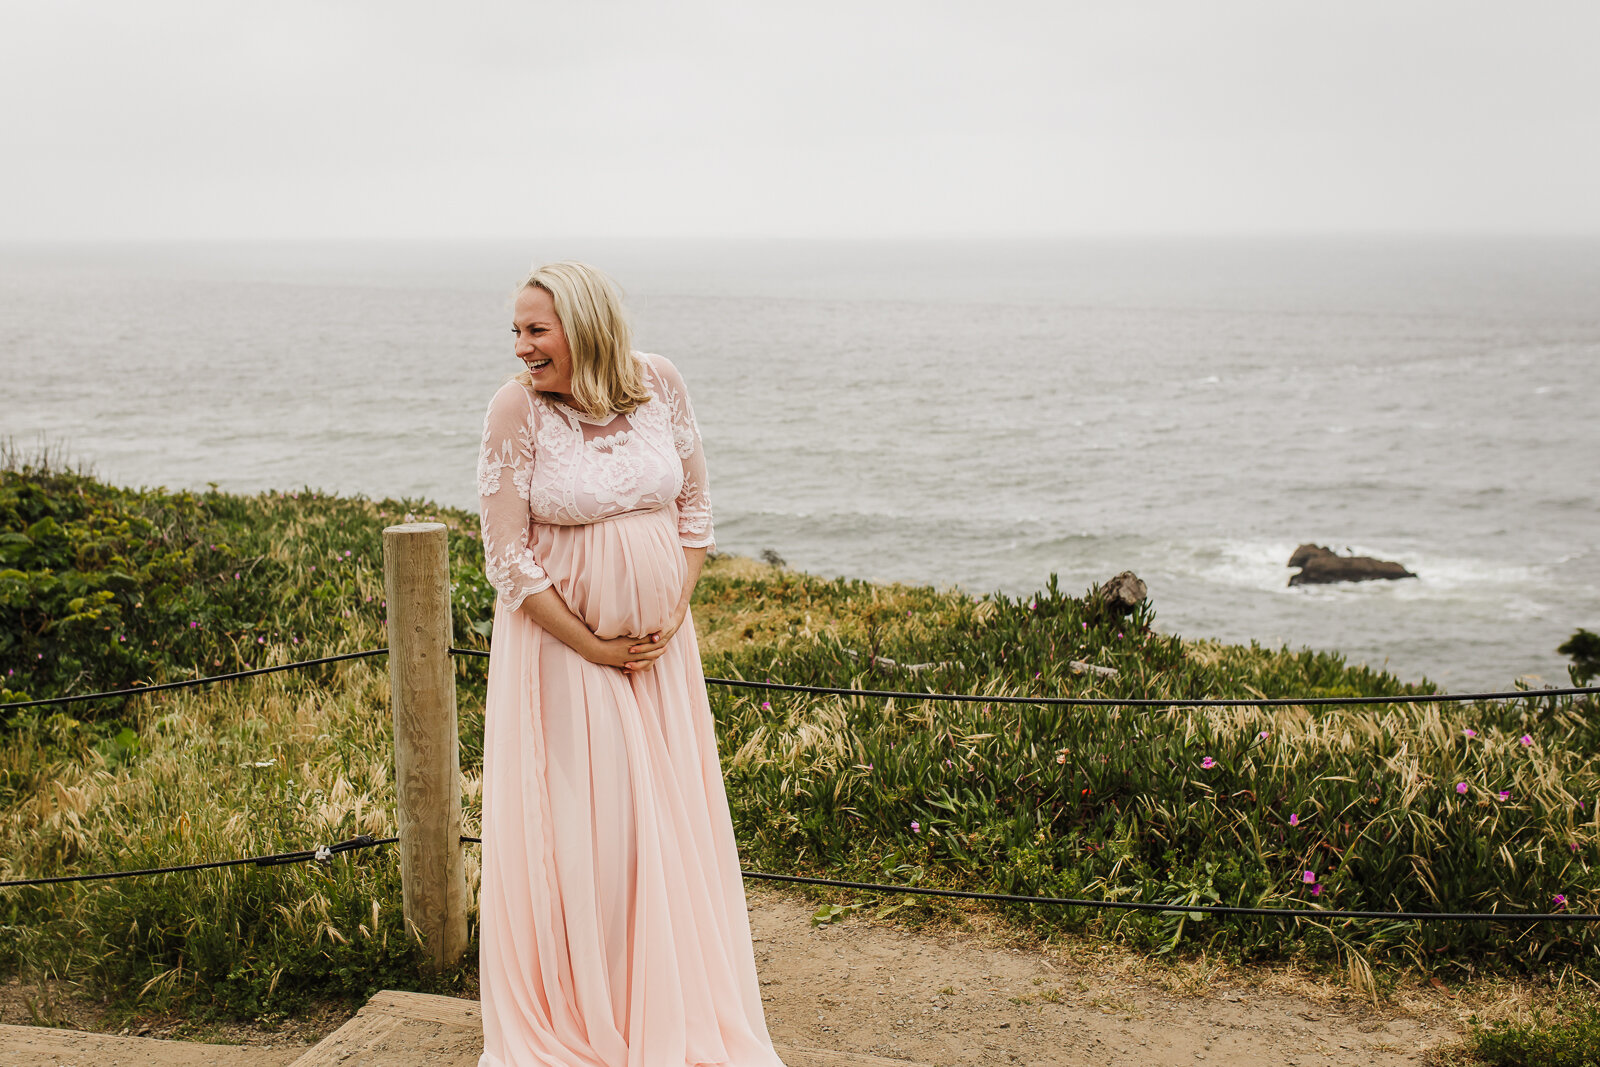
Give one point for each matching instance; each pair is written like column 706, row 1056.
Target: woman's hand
column 658, row 641
column 619, row 652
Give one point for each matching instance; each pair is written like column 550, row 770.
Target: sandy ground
column 960, row 997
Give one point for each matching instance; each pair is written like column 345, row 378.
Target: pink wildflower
column 1560, row 901
column 1316, row 890
column 916, row 827
column 1309, row 877
column 1504, row 794
column 1208, row 763
column 766, row 705
column 1262, row 736
column 1526, row 739
column 1461, row 787
column 1294, row 820
column 1469, row 733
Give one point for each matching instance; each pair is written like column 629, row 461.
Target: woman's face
column 541, row 342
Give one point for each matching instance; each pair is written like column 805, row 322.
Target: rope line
column 1208, row 909
column 322, row 853
column 1138, row 905
column 1142, row 702
column 187, row 683
column 1158, row 702
column 1147, row 702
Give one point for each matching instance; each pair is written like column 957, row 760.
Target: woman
column 612, row 913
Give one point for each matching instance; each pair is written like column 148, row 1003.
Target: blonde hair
column 606, row 377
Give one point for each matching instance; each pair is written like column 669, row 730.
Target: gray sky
column 160, row 119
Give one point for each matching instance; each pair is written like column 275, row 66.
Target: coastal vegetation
column 1427, row 806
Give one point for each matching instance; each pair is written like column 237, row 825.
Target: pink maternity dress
column 613, row 924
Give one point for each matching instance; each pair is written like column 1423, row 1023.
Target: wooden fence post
column 427, row 759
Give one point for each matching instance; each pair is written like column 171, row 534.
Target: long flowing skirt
column 613, row 923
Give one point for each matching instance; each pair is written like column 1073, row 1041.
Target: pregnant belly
column 622, row 576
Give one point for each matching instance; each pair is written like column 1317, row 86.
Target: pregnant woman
column 612, row 913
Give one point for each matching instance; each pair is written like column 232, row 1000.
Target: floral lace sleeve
column 694, row 500
column 504, row 464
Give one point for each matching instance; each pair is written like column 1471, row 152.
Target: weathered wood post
column 427, row 761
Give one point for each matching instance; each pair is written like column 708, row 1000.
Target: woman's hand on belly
column 619, row 652
column 653, row 644
column 551, row 613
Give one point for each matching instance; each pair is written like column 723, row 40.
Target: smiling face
column 541, row 342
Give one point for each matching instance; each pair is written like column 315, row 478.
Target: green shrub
column 1569, row 1041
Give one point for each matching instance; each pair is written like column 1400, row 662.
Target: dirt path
column 959, row 998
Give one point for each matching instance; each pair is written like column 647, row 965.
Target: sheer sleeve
column 694, row 500
column 504, row 464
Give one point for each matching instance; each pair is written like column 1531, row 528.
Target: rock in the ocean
column 1119, row 595
column 1322, row 566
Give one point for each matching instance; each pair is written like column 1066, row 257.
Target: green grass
column 101, row 586
column 1568, row 1038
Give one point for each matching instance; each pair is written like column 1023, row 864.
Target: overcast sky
column 159, row 119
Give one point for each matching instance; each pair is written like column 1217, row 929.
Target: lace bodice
column 544, row 462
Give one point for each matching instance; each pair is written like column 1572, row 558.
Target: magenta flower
column 916, row 827
column 1208, row 763
column 1309, row 877
column 1526, row 739
column 1560, row 901
column 1262, row 736
column 1504, row 794
column 1294, row 820
column 1461, row 787
column 766, row 705
column 236, row 576
column 1316, row 890
column 1470, row 733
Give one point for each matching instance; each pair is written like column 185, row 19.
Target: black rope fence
column 277, row 859
column 325, row 853
column 1141, row 905
column 897, row 694
column 191, row 682
column 1136, row 702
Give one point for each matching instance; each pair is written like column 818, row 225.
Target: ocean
column 972, row 414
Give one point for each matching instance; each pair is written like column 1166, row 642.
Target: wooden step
column 397, row 1029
